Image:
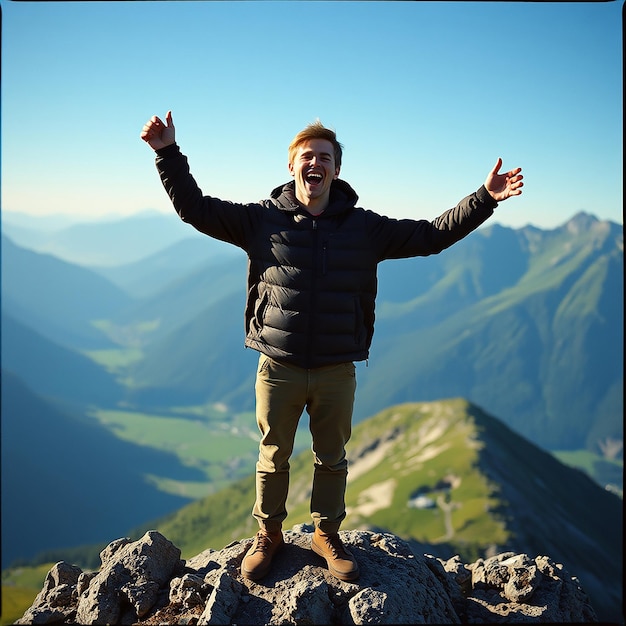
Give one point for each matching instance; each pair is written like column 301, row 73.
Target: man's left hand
column 503, row 186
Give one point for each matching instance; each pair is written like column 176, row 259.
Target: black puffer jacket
column 312, row 280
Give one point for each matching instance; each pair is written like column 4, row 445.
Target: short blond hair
column 316, row 130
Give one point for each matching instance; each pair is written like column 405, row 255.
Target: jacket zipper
column 312, row 298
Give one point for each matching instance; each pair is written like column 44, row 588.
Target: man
column 313, row 257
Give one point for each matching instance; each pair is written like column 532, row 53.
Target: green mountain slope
column 58, row 299
column 449, row 476
column 148, row 275
column 184, row 299
column 447, row 450
column 66, row 481
column 53, row 370
column 544, row 354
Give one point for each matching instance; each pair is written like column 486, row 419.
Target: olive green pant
column 283, row 391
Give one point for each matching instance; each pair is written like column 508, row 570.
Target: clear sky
column 424, row 96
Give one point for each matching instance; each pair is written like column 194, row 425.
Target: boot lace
column 264, row 542
column 336, row 546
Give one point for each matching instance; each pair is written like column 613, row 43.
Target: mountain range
column 528, row 324
column 524, row 323
column 107, row 243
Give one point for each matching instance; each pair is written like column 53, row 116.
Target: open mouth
column 314, row 178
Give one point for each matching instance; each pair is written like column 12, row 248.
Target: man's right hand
column 157, row 134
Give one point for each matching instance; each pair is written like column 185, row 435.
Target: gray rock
column 132, row 573
column 222, row 602
column 203, row 562
column 300, row 590
column 107, row 554
column 307, row 603
column 145, row 581
column 510, row 587
column 187, row 591
column 83, row 582
column 368, row 606
column 56, row 601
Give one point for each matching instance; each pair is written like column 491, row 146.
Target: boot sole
column 256, row 575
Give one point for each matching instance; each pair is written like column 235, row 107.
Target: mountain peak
column 581, row 222
column 146, row 580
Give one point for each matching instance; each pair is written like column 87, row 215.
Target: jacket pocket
column 260, row 307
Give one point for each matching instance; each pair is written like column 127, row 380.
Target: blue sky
column 424, row 96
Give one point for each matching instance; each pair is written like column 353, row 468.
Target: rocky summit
column 146, row 582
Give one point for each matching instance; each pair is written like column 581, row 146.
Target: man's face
column 314, row 170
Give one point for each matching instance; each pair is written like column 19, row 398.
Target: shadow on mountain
column 66, row 481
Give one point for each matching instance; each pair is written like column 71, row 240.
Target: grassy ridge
column 436, row 472
column 421, row 448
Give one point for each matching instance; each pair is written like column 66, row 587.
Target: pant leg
column 331, row 401
column 280, row 400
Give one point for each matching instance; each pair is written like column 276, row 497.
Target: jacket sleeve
column 227, row 221
column 396, row 239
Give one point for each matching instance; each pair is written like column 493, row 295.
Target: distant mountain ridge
column 107, row 242
column 147, row 276
column 20, row 343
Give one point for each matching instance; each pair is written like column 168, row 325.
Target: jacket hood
column 342, row 197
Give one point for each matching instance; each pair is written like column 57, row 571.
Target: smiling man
column 313, row 257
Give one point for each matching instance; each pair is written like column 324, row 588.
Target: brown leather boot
column 258, row 559
column 341, row 563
